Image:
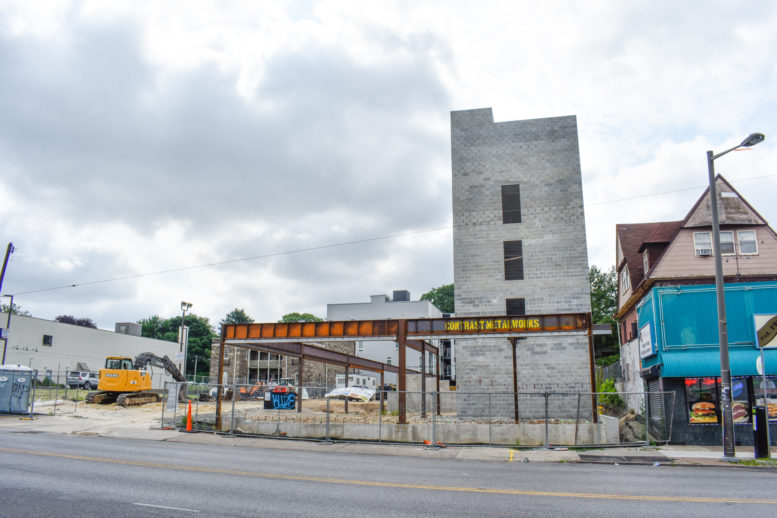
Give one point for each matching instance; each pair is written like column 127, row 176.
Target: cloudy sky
column 142, row 141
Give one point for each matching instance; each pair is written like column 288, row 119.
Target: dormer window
column 727, row 243
column 702, row 243
column 645, row 262
column 747, row 243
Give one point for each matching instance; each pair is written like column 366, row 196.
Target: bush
column 611, row 400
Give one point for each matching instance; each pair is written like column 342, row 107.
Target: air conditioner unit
column 703, row 251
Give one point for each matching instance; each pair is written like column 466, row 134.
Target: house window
column 47, row 340
column 727, row 243
column 253, row 355
column 747, row 242
column 388, row 360
column 702, row 243
column 361, row 346
column 516, row 307
column 645, row 262
column 513, row 251
column 625, row 282
column 511, row 204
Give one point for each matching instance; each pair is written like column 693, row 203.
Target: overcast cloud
column 138, row 137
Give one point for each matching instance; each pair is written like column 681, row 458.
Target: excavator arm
column 143, row 360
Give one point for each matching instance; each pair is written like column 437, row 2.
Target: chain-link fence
column 529, row 419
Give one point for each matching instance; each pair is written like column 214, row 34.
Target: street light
column 183, row 350
column 725, row 371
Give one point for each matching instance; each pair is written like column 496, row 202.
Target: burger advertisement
column 703, row 412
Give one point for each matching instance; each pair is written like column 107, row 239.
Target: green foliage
column 200, row 337
column 441, row 297
column 300, row 317
column 604, row 361
column 237, row 316
column 15, row 309
column 604, row 287
column 611, row 400
column 69, row 319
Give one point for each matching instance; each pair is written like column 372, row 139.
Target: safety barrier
column 544, row 419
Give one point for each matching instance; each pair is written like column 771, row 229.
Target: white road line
column 167, row 507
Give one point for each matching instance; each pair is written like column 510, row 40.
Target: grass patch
column 759, row 462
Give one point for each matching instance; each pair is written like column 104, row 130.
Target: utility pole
column 8, row 252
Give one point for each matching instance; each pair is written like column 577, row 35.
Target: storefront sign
column 766, row 330
column 645, row 342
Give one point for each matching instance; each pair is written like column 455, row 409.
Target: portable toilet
column 15, row 388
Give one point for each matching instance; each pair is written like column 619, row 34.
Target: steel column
column 220, row 378
column 300, row 385
column 513, row 342
column 402, row 382
column 592, row 373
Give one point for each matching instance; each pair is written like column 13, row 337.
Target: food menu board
column 702, row 397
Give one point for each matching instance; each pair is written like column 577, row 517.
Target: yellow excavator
column 127, row 382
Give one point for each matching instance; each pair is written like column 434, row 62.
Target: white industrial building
column 46, row 345
column 379, row 307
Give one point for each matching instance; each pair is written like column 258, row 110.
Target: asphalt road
column 59, row 475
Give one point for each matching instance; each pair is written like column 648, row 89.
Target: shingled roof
column 633, row 237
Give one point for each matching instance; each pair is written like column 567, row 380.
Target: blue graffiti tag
column 285, row 401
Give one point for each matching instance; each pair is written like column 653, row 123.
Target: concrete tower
column 519, row 248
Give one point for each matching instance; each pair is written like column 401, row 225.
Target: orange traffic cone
column 189, row 417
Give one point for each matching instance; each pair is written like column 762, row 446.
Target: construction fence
column 544, row 419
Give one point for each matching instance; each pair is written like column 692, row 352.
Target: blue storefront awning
column 706, row 363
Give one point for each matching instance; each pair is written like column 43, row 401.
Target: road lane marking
column 511, row 455
column 326, row 480
column 167, row 507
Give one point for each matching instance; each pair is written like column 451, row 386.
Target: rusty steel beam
column 417, row 329
column 317, row 353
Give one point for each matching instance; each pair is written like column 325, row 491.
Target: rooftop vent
column 401, row 296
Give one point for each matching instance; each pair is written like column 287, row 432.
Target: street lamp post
column 184, row 349
column 725, row 370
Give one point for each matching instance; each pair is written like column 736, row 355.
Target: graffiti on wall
column 284, row 400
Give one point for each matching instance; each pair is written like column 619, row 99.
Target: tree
column 300, row 317
column 15, row 309
column 237, row 316
column 441, row 297
column 604, row 287
column 69, row 319
column 201, row 336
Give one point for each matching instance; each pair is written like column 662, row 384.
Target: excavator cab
column 120, row 376
column 118, row 363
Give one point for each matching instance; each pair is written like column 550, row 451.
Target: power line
column 359, row 241
column 229, row 261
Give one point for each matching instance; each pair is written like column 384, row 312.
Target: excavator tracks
column 137, row 398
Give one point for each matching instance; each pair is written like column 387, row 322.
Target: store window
column 740, row 404
column 771, row 394
column 701, row 395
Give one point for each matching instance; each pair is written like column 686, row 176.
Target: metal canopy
column 290, row 339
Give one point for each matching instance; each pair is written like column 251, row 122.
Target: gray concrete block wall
column 542, row 156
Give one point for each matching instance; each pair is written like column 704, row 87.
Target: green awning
column 691, row 363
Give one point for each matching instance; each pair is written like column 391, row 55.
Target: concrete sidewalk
column 75, row 423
